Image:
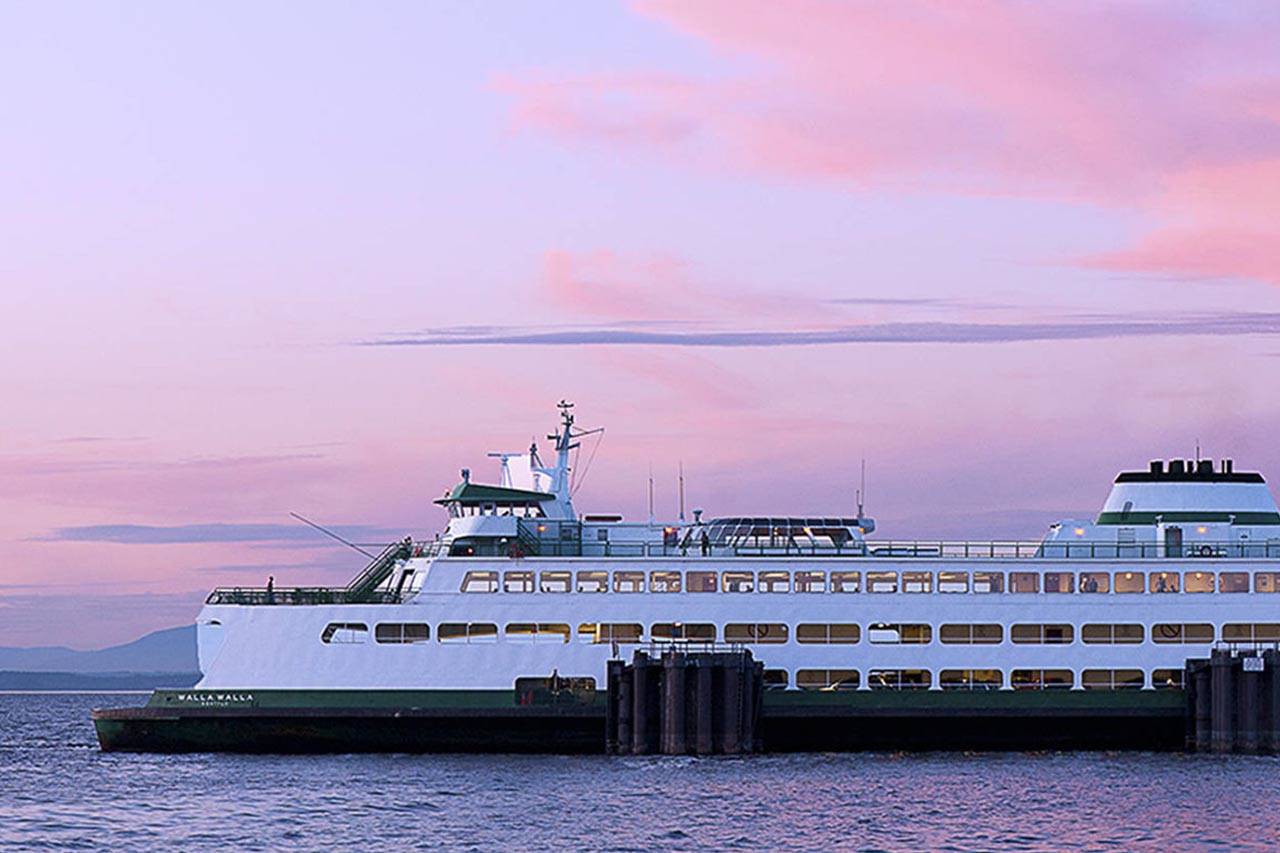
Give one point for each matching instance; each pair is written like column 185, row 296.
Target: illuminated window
column 701, row 582
column 609, row 632
column 775, row 582
column 1059, row 582
column 970, row 679
column 1170, row 632
column 1163, row 582
column 1049, row 635
column 845, row 582
column 1233, row 582
column 1166, row 679
column 953, row 581
column 480, row 582
column 889, row 634
column 1095, row 582
column 398, row 633
column 1111, row 679
column 811, row 582
column 1111, row 634
column 344, row 633
column 827, row 679
column 541, row 632
column 1266, row 581
column 759, row 632
column 739, row 581
column 987, row 582
column 917, row 581
column 593, row 581
column 467, row 632
column 1257, row 632
column 664, row 581
column 898, row 679
column 1128, row 581
column 556, row 581
column 701, row 632
column 969, row 635
column 827, row 633
column 882, row 582
column 1198, row 581
column 628, row 581
column 1024, row 582
column 517, row 581
column 1041, row 679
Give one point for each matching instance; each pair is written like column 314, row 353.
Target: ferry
column 497, row 633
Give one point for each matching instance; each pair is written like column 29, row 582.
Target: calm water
column 58, row 791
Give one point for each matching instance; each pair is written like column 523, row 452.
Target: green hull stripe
column 1150, row 517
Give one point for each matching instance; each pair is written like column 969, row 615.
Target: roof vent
column 1204, row 467
column 1177, row 466
column 1228, row 466
column 1157, row 466
column 466, row 475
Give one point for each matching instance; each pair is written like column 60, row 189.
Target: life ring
column 1206, row 551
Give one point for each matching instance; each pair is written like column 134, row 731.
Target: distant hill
column 95, row 681
column 172, row 650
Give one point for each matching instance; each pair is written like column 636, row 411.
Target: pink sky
column 268, row 259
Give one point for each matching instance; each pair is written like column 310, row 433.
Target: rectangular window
column 898, row 679
column 1266, row 581
column 970, row 679
column 775, row 679
column 775, row 582
column 845, row 582
column 1128, row 582
column 609, row 632
column 1050, row 635
column 988, row 582
column 401, row 632
column 1163, row 582
column 517, row 581
column 827, row 679
column 1111, row 634
column 1111, row 679
column 343, row 633
column 817, row 632
column 1233, row 582
column 480, row 582
column 540, row 632
column 1024, row 582
column 971, row 635
column 1059, row 582
column 811, row 581
column 917, row 581
column 878, row 582
column 593, row 581
column 1257, row 632
column 464, row 632
column 664, row 581
column 556, row 581
column 1041, row 679
column 1095, row 582
column 1166, row 679
column 953, row 581
column 700, row 581
column 1198, row 581
column 739, row 581
column 894, row 633
column 758, row 632
column 628, row 581
column 1174, row 632
column 700, row 632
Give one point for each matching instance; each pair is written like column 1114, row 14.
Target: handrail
column 297, row 595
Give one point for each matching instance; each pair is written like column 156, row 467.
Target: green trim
column 468, row 492
column 1150, row 517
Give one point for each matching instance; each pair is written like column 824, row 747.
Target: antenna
column 682, row 491
column 862, row 489
column 1197, row 452
column 651, row 493
column 331, row 534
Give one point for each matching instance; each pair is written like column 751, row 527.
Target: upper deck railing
column 297, row 595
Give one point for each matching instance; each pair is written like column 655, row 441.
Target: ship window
column 698, row 631
column 1059, row 582
column 1198, row 582
column 1111, row 634
column 462, row 632
column 846, row 581
column 811, row 581
column 342, row 633
column 1266, row 581
column 739, row 581
column 891, row 633
column 1128, row 581
column 664, row 581
column 700, row 581
column 775, row 582
column 953, row 581
column 899, row 679
column 839, row 632
column 985, row 582
column 1163, row 582
column 1111, row 679
column 1041, row 679
column 401, row 632
column 758, row 632
column 775, row 679
column 970, row 679
column 609, row 632
column 1258, row 632
column 1233, row 582
column 540, row 632
column 882, row 581
column 1042, row 634
column 1095, row 582
column 480, row 582
column 1166, row 679
column 593, row 581
column 985, row 635
column 517, row 581
column 827, row 679
column 917, row 581
column 1170, row 632
column 628, row 581
column 556, row 581
column 1024, row 582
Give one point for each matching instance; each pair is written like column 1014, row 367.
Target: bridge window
column 401, row 632
column 811, row 581
column 593, row 581
column 556, row 581
column 1111, row 679
column 1111, row 634
column 970, row 679
column 1173, row 632
column 1166, row 679
column 664, row 581
column 1266, row 581
column 540, row 632
column 480, row 582
column 917, row 581
column 701, row 581
column 845, row 582
column 827, row 679
column 517, row 581
column 1198, row 582
column 816, row 632
column 343, row 633
column 775, row 582
column 1163, row 582
column 986, row 582
column 628, row 581
column 739, row 581
column 1050, row 635
column 609, row 632
column 1024, row 582
column 1059, row 582
column 758, row 632
column 882, row 582
column 467, row 632
column 893, row 633
column 953, row 581
column 1041, row 679
column 1128, row 581
column 1257, row 632
column 1233, row 582
column 1095, row 582
column 983, row 635
column 899, row 679
column 671, row 631
column 775, row 679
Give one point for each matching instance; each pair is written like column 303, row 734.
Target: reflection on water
column 57, row 789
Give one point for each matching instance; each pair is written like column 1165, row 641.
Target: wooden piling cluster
column 1233, row 702
column 680, row 701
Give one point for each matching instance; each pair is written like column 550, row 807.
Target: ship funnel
column 1157, row 466
column 1177, row 466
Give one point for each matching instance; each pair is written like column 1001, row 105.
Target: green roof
column 468, row 492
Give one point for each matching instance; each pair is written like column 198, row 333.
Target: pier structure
column 1233, row 701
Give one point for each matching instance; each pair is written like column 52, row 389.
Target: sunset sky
column 261, row 258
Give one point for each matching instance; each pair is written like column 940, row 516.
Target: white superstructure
column 519, row 585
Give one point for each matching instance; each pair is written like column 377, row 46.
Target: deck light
column 1202, row 530
column 1079, row 531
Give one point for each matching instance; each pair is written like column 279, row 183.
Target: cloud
column 146, row 534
